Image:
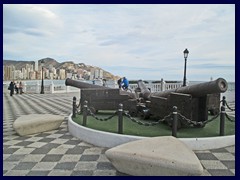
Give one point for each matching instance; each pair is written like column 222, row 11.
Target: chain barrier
column 145, row 123
column 229, row 107
column 167, row 118
column 228, row 118
column 79, row 104
column 101, row 119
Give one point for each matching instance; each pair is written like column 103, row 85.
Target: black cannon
column 193, row 102
column 104, row 98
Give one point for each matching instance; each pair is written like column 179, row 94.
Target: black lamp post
column 42, row 86
column 185, row 52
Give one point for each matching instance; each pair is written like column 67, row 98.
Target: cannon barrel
column 145, row 92
column 198, row 90
column 82, row 85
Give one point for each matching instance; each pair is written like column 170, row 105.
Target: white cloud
column 136, row 38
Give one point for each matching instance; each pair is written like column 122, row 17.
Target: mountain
column 69, row 66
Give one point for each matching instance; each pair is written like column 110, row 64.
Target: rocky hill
column 69, row 66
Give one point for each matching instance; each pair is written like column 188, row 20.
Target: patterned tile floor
column 57, row 153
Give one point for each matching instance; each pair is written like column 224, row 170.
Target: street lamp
column 185, row 53
column 42, row 87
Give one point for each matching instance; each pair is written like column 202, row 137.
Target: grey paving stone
column 219, row 150
column 205, row 156
column 24, row 143
column 57, row 172
column 89, row 157
column 213, row 164
column 50, row 145
column 44, row 166
column 46, row 140
column 75, row 150
column 105, row 165
column 82, row 173
column 15, row 157
column 40, row 151
column 229, row 164
column 16, row 173
column 66, row 136
column 220, row 172
column 38, row 173
column 25, row 166
column 9, row 150
column 84, row 165
column 51, row 158
column 65, row 165
column 73, row 142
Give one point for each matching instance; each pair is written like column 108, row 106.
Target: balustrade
column 62, row 88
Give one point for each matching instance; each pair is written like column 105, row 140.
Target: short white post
column 37, row 88
column 52, row 88
column 163, row 84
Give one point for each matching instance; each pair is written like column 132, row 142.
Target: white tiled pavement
column 57, row 153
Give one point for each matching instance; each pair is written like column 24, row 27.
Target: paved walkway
column 57, row 153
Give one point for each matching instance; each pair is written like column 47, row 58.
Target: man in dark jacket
column 11, row 88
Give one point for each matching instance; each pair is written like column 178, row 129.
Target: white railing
column 62, row 88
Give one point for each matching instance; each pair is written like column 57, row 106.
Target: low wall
column 106, row 139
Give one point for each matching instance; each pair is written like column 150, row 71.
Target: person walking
column 11, row 88
column 16, row 87
column 20, row 87
column 119, row 83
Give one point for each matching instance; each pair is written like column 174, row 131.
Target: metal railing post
column 120, row 119
column 74, row 107
column 222, row 117
column 85, row 112
column 175, row 122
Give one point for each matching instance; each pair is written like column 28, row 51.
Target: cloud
column 128, row 40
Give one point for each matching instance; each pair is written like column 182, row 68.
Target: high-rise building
column 36, row 65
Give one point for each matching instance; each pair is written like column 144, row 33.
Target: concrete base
column 36, row 123
column 158, row 156
column 106, row 139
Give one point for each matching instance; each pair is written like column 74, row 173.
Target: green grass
column 130, row 128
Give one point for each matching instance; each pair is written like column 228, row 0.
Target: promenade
column 58, row 153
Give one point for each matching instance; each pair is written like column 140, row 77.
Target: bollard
column 85, row 107
column 175, row 122
column 222, row 117
column 120, row 119
column 74, row 107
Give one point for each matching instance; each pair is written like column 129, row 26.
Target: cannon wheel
column 133, row 112
column 214, row 111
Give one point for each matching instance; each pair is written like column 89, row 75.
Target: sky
column 138, row 41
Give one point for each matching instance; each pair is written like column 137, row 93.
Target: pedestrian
column 125, row 83
column 11, row 88
column 20, row 87
column 17, row 87
column 104, row 82
column 119, row 83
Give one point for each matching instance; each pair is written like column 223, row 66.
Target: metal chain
column 145, row 123
column 189, row 121
column 210, row 120
column 79, row 104
column 231, row 120
column 229, row 107
column 101, row 119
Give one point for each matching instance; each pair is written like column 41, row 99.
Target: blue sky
column 139, row 41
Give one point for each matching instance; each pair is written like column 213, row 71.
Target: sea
column 229, row 94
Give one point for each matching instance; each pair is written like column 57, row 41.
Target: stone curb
column 109, row 140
